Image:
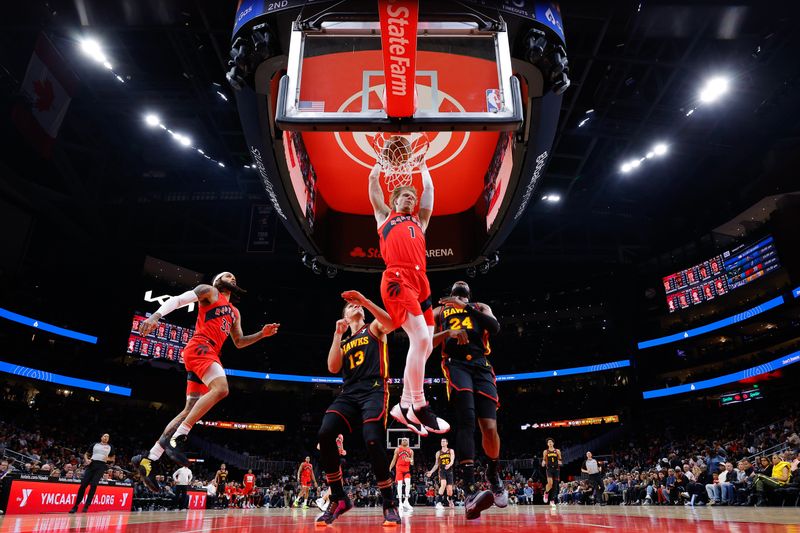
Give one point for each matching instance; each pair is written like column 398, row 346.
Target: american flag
column 311, row 107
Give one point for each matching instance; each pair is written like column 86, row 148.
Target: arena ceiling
column 636, row 65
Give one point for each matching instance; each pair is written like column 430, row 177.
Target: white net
column 398, row 156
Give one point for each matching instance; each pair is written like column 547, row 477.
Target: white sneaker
column 439, row 505
column 546, row 497
column 407, row 507
column 552, row 504
column 321, row 503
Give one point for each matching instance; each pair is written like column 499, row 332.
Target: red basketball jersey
column 249, row 480
column 214, row 324
column 404, row 458
column 306, row 470
column 402, row 241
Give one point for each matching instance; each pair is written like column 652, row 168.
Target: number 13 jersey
column 364, row 357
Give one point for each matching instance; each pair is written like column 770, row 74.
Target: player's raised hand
column 341, row 326
column 454, row 301
column 147, row 327
column 459, row 334
column 354, row 297
column 269, row 330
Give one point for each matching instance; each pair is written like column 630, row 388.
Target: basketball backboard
column 393, row 436
column 335, row 80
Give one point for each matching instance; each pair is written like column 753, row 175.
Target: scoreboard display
column 166, row 342
column 741, row 396
column 720, row 274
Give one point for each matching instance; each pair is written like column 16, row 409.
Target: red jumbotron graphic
column 399, row 44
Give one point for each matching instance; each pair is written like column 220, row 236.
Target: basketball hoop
column 398, row 155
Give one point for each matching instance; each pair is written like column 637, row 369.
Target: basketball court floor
column 427, row 520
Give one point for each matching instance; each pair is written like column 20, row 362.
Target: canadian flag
column 47, row 89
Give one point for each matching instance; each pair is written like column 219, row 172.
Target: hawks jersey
column 478, row 338
column 214, row 323
column 402, row 241
column 445, row 458
column 404, row 456
column 364, row 357
column 551, row 458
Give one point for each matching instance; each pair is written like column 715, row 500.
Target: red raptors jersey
column 404, row 458
column 249, row 480
column 214, row 324
column 402, row 241
column 305, row 473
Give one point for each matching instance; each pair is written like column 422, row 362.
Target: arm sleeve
column 175, row 302
column 426, row 200
column 487, row 322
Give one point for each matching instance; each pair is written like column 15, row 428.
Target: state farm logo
column 444, row 145
column 371, row 253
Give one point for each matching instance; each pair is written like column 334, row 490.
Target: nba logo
column 493, row 103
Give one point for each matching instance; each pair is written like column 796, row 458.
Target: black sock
column 491, row 472
column 468, row 475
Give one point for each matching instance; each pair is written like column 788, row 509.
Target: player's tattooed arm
column 206, row 294
column 379, row 207
column 335, row 352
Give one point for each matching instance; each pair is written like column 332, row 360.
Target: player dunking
column 305, row 476
column 551, row 461
column 206, row 383
column 363, row 360
column 463, row 330
column 405, row 289
column 444, row 461
column 403, row 459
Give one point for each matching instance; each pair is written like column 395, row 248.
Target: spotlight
column 92, row 49
column 713, row 89
column 660, row 149
column 331, row 272
column 152, row 120
column 107, row 65
column 626, row 167
column 222, row 95
column 183, row 139
column 650, row 155
column 634, row 163
column 471, row 272
column 220, row 163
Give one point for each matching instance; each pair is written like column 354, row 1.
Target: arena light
column 626, row 167
column 222, row 95
column 660, row 149
column 152, row 120
column 552, row 198
column 183, row 139
column 714, row 89
column 92, row 49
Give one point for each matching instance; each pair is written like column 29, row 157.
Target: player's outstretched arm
column 379, row 206
column 426, row 198
column 335, row 352
column 384, row 321
column 205, row 294
column 240, row 340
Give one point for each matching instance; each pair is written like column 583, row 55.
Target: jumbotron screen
column 166, row 342
column 720, row 274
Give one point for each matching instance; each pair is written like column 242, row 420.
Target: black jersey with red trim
column 445, row 458
column 364, row 357
column 477, row 347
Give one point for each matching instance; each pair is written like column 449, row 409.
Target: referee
column 593, row 470
column 101, row 453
